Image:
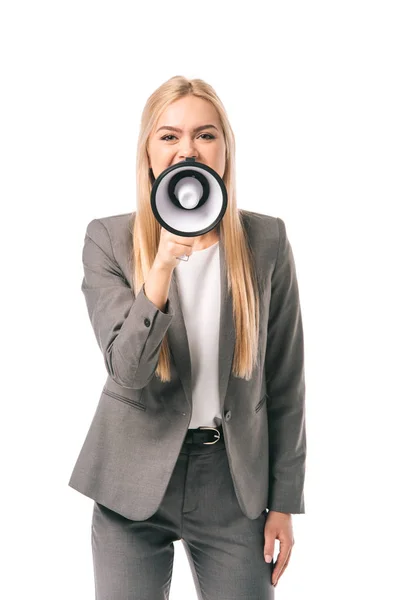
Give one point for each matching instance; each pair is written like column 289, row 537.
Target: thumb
column 269, row 545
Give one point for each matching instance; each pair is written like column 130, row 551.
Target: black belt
column 204, row 435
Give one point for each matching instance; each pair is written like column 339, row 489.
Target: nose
column 187, row 149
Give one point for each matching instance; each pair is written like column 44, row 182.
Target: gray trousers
column 133, row 560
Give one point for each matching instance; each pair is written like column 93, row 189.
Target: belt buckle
column 219, row 435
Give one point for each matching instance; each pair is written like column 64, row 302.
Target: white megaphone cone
column 189, row 199
column 188, row 191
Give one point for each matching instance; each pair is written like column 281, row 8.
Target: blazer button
column 147, row 322
column 228, row 415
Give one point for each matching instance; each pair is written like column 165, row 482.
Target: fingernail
column 268, row 558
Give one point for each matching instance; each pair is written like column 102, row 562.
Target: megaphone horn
column 189, row 199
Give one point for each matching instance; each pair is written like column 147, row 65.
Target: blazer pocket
column 260, row 404
column 134, row 403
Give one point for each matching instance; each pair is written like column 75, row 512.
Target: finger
column 277, row 574
column 287, row 559
column 285, row 565
column 183, row 245
column 284, row 550
column 280, row 561
column 269, row 546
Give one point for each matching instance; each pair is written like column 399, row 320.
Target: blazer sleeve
column 285, row 385
column 129, row 330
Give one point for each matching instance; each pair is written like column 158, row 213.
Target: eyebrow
column 195, row 130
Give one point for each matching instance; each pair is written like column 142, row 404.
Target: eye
column 210, row 136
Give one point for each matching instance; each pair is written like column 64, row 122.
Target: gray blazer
column 139, row 425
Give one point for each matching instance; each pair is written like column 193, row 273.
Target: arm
column 129, row 330
column 285, row 385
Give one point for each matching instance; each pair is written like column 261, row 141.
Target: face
column 167, row 147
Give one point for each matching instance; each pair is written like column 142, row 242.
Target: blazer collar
column 178, row 341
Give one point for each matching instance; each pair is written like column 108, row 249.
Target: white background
column 312, row 93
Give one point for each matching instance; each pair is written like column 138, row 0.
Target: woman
column 199, row 434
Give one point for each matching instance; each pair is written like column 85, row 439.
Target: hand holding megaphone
column 172, row 247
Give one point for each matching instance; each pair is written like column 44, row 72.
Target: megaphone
column 189, row 199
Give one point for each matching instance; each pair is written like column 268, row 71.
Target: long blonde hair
column 241, row 278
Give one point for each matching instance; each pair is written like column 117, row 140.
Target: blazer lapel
column 178, row 341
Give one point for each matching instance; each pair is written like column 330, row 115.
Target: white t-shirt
column 199, row 289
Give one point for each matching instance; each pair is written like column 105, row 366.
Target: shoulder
column 112, row 231
column 113, row 224
column 113, row 236
column 262, row 227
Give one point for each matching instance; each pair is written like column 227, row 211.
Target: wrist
column 162, row 267
column 277, row 512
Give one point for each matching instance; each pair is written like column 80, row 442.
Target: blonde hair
column 241, row 278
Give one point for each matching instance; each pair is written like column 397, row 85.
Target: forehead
column 187, row 113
